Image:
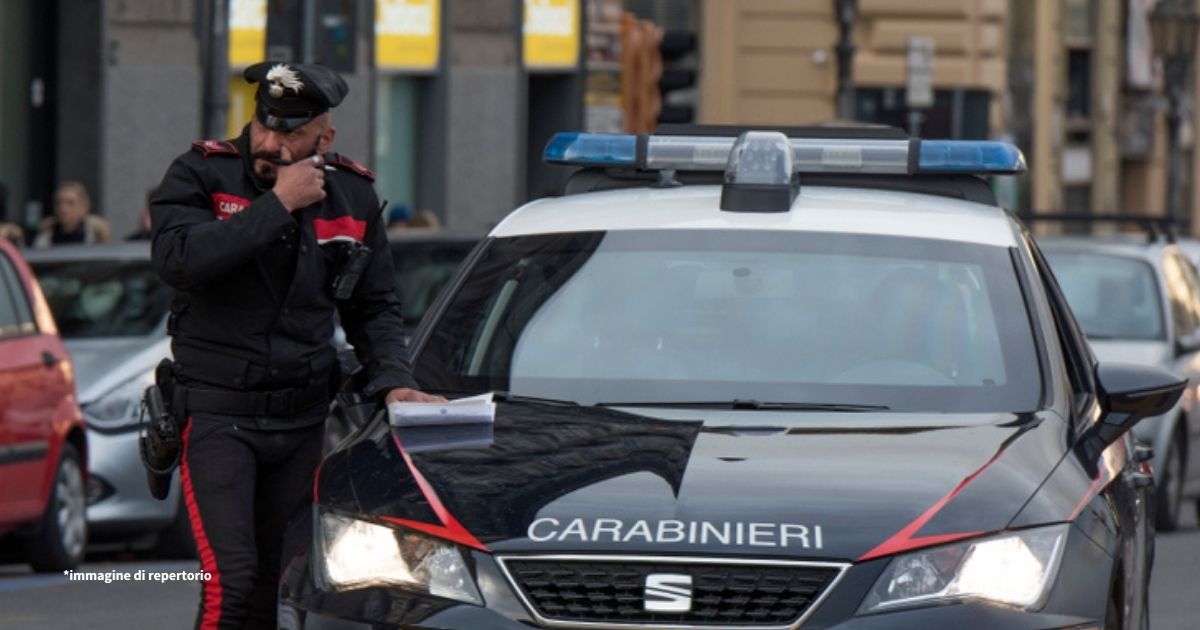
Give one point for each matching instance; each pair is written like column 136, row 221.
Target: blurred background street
column 451, row 103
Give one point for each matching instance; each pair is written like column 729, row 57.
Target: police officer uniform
column 251, row 325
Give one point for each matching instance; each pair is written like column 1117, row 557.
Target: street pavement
column 1174, row 587
column 32, row 602
column 29, row 601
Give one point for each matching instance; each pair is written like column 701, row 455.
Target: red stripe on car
column 904, row 539
column 450, row 529
column 1112, row 460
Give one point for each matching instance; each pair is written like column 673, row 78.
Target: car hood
column 104, row 363
column 567, row 479
column 1156, row 353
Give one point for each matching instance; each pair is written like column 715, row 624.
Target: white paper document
column 479, row 409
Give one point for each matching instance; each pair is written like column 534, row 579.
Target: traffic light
column 676, row 87
column 641, row 69
column 331, row 24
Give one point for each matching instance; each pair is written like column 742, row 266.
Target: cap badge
column 283, row 77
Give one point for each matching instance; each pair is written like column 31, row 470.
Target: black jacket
column 253, row 309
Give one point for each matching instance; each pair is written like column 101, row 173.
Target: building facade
column 1073, row 82
column 774, row 61
column 108, row 92
column 452, row 100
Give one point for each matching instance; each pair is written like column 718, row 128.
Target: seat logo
column 668, row 592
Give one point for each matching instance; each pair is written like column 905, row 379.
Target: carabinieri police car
column 756, row 381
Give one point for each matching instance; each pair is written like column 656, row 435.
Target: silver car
column 1138, row 301
column 111, row 312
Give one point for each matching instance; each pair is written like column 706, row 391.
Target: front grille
column 612, row 591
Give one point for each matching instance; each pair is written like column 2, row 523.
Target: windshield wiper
column 506, row 396
column 756, row 405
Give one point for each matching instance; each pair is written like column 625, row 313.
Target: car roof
column 1115, row 245
column 101, row 251
column 816, row 209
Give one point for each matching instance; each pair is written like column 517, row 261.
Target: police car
column 756, row 381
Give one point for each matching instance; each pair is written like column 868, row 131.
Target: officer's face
column 312, row 138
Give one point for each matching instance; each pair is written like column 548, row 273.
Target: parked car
column 111, row 310
column 1137, row 299
column 750, row 382
column 1190, row 248
column 43, row 444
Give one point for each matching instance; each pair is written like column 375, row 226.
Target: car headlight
column 122, row 405
column 358, row 554
column 1014, row 569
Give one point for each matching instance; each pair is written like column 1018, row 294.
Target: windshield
column 703, row 316
column 422, row 270
column 103, row 298
column 1112, row 297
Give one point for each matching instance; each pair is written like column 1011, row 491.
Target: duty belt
column 277, row 403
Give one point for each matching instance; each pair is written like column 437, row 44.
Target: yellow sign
column 407, row 34
column 247, row 32
column 551, row 34
column 241, row 106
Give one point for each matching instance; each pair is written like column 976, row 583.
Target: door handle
column 48, row 359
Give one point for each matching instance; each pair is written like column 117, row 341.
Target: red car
column 43, row 448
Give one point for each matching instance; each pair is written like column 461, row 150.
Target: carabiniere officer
column 263, row 237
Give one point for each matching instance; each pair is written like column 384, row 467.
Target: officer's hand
column 404, row 394
column 301, row 184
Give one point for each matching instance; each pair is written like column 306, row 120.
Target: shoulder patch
column 343, row 162
column 214, row 147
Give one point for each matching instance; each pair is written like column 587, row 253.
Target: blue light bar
column 592, row 149
column 811, row 155
column 964, row 156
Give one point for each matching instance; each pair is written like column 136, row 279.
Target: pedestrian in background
column 425, row 220
column 13, row 233
column 397, row 217
column 261, row 237
column 72, row 221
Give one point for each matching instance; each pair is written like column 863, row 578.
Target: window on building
column 396, row 139
column 956, row 114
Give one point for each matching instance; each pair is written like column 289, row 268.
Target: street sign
column 919, row 72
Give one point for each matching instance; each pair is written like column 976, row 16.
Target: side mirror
column 1129, row 393
column 1187, row 343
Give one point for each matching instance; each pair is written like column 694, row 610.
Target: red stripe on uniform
column 211, row 592
column 450, row 529
column 342, row 226
column 226, row 205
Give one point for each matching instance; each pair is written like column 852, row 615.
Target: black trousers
column 241, row 487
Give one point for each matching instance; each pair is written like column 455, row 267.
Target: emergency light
column 809, row 155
